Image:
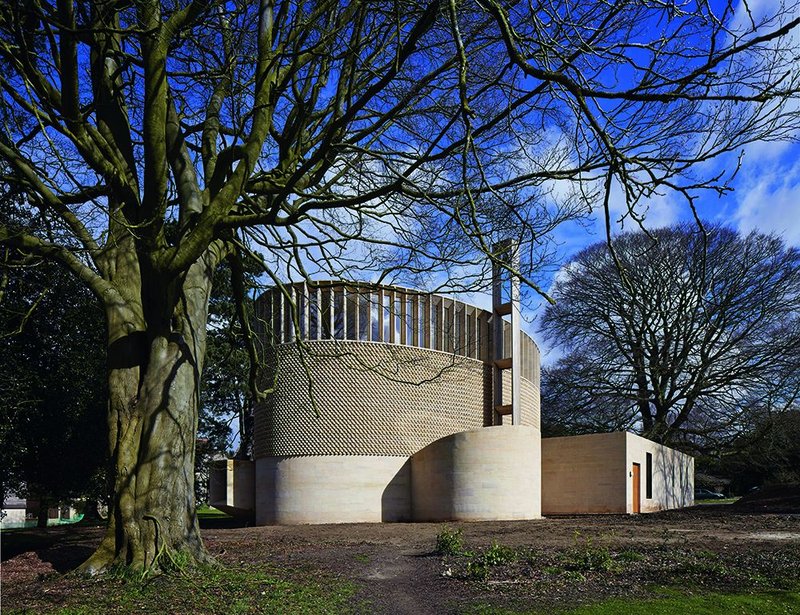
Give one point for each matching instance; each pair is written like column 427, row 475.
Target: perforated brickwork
column 374, row 399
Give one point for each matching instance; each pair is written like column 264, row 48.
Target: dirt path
column 702, row 525
column 398, row 572
column 395, row 570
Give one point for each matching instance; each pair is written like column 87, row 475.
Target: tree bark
column 91, row 516
column 154, row 379
column 43, row 515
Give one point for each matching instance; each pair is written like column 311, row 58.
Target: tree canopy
column 387, row 139
column 683, row 333
column 767, row 454
column 52, row 384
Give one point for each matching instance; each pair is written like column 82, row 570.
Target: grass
column 717, row 501
column 768, row 603
column 209, row 512
column 674, row 601
column 675, row 579
column 233, row 591
column 672, row 577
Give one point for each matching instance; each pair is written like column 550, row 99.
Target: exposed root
column 101, row 560
column 167, row 558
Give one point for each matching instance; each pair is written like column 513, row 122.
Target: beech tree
column 387, row 139
column 684, row 334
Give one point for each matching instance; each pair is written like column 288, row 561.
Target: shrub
column 449, row 542
column 497, row 555
column 630, row 556
column 477, row 569
column 586, row 556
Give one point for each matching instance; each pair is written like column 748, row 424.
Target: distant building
column 13, row 511
column 18, row 512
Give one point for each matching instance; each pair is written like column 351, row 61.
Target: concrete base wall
column 584, row 474
column 231, row 487
column 480, row 475
column 486, row 474
column 332, row 489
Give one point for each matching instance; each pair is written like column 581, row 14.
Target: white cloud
column 659, row 210
column 749, row 12
column 768, row 200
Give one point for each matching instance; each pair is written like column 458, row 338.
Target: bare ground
column 395, row 569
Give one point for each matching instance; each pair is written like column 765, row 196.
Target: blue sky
column 764, row 193
column 765, row 197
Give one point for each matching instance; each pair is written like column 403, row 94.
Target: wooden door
column 637, row 488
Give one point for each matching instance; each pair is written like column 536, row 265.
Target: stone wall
column 480, row 475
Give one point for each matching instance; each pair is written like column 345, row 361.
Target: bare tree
column 687, row 340
column 340, row 137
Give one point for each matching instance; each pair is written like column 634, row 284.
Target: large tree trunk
column 154, row 379
column 44, row 513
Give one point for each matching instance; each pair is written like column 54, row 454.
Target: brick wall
column 373, row 399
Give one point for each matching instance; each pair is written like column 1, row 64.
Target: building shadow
column 396, row 496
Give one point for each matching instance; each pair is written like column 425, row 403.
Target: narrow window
column 338, row 314
column 470, row 350
column 397, row 319
column 436, row 338
column 648, row 480
column 458, row 329
column 387, row 318
column 363, row 315
column 448, row 328
column 425, row 322
column 326, row 332
column 300, row 298
column 374, row 306
column 409, row 324
column 313, row 314
column 352, row 314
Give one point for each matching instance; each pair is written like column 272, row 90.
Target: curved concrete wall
column 332, row 489
column 485, row 474
column 481, row 475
